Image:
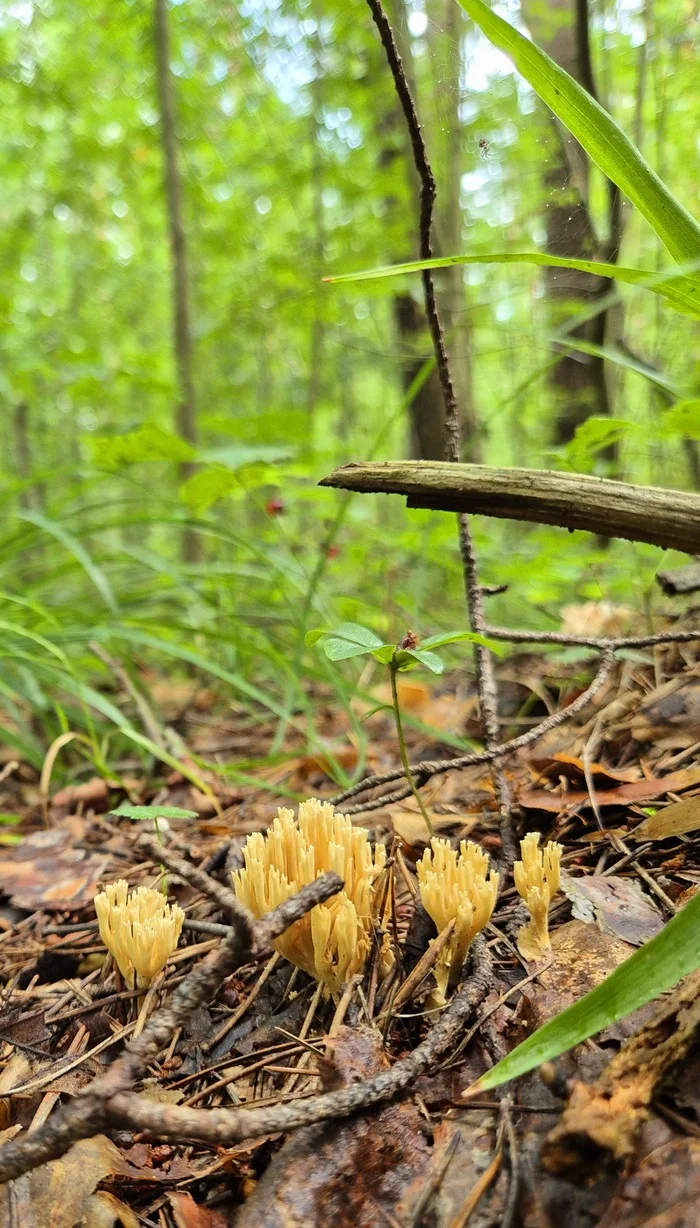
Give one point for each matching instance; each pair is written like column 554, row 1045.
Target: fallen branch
column 222, row 1127
column 668, row 518
column 89, row 1112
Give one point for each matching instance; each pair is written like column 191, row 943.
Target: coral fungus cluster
column 139, row 928
column 331, row 942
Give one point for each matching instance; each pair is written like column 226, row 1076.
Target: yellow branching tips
column 139, row 928
column 331, row 942
column 460, row 888
column 536, row 880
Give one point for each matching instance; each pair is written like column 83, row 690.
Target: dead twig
column 90, row 1112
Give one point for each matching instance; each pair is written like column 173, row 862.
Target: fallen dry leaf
column 670, row 715
column 47, row 871
column 625, row 795
column 189, row 1214
column 581, row 957
column 345, row 1173
column 618, row 906
column 662, row 1193
column 89, row 793
column 103, row 1210
column 673, row 820
column 54, row 1195
column 573, row 768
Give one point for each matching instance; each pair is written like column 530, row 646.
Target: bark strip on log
column 667, row 518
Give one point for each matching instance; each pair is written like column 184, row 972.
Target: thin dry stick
column 486, row 678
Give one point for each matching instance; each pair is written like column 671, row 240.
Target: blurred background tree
column 176, row 376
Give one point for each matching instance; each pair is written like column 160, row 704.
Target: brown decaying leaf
column 347, row 1173
column 662, row 1193
column 91, row 793
column 189, row 1214
column 573, row 768
column 601, row 1121
column 55, row 1194
column 674, row 820
column 616, row 904
column 48, row 871
column 625, row 795
column 581, row 957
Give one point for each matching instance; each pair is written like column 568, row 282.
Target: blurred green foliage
column 284, row 145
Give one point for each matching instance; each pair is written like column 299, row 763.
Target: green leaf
column 680, row 290
column 10, row 837
column 312, row 637
column 142, row 813
column 592, row 437
column 149, row 443
column 78, row 551
column 604, row 141
column 342, row 650
column 385, row 654
column 10, row 820
column 205, row 488
column 651, row 971
column 682, row 419
column 357, row 634
column 407, row 658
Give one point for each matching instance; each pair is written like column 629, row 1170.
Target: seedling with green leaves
column 144, row 814
column 354, row 640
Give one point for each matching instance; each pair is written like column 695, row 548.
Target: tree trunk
column 578, row 379
column 419, row 377
column 186, row 416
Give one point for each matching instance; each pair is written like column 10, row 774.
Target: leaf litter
column 614, row 1109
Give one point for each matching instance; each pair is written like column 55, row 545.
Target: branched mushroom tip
column 536, row 880
column 139, row 928
column 456, row 887
column 332, row 941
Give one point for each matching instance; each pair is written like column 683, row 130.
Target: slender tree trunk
column 578, row 379
column 315, row 386
column 186, row 417
column 426, row 412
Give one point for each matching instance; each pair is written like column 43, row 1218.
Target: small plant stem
column 404, row 753
column 164, row 872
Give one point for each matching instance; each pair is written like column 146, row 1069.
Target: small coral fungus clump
column 140, row 929
column 331, row 942
column 536, row 881
column 456, row 888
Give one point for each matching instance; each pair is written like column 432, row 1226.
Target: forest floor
column 429, row 1158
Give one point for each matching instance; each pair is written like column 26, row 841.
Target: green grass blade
column 79, row 552
column 654, row 968
column 680, row 291
column 604, row 141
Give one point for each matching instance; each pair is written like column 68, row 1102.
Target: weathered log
column 667, row 518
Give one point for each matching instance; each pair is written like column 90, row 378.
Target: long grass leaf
column 605, row 142
column 654, row 968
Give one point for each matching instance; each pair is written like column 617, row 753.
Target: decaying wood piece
column 667, row 518
column 680, row 580
column 602, row 1120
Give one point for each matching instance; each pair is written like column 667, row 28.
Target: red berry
column 332, row 552
column 274, row 507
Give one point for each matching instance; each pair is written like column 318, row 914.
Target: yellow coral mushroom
column 460, row 888
column 140, row 929
column 536, row 881
column 333, row 940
